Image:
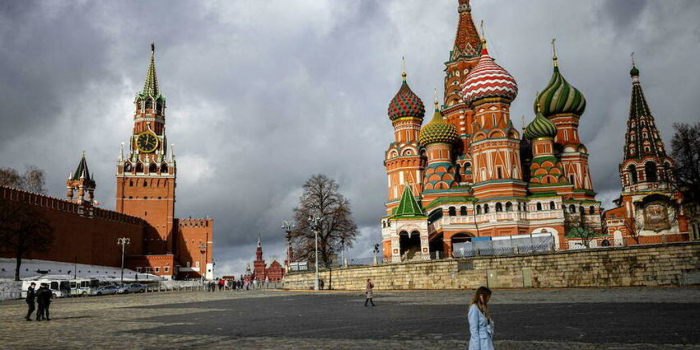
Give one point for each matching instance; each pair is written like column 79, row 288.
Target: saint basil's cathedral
column 469, row 175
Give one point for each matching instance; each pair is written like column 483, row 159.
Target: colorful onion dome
column 540, row 127
column 488, row 80
column 406, row 104
column 438, row 130
column 559, row 97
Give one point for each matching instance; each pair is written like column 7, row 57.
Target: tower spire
column 403, row 68
column 467, row 38
column 150, row 87
column 554, row 52
column 642, row 137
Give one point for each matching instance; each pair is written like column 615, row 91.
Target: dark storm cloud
column 261, row 95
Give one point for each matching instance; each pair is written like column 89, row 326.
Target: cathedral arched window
column 486, row 208
column 149, row 103
column 633, row 174
column 552, row 206
column 478, row 209
column 650, row 172
column 539, row 206
column 591, row 210
column 499, row 207
column 509, row 206
column 152, row 168
column 572, row 209
column 463, row 211
column 581, row 210
column 131, row 183
column 452, row 211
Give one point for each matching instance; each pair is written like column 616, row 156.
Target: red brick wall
column 83, row 232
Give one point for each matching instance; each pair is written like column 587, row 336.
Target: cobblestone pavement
column 620, row 319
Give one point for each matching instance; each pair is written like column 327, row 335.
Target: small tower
column 651, row 204
column 259, row 263
column 82, row 183
column 563, row 104
column 438, row 137
column 402, row 160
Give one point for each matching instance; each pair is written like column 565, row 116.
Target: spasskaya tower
column 146, row 174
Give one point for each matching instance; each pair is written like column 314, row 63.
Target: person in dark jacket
column 31, row 295
column 43, row 298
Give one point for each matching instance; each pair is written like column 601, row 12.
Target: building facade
column 468, row 175
column 649, row 208
column 146, row 177
column 159, row 243
column 263, row 273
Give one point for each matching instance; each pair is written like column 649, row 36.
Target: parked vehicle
column 83, row 286
column 106, row 290
column 59, row 288
column 132, row 288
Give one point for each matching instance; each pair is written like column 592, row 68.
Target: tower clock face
column 146, row 142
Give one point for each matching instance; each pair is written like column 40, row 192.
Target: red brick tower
column 82, row 183
column 403, row 160
column 146, row 177
column 259, row 263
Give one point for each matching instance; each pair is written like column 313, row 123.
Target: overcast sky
column 263, row 94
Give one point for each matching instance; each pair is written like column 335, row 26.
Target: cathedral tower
column 563, row 104
column 402, row 160
column 495, row 144
column 463, row 58
column 146, row 175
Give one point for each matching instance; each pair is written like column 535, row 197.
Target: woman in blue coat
column 480, row 324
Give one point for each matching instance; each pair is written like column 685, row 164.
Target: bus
column 83, row 286
column 61, row 288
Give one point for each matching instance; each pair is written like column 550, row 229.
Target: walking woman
column 480, row 324
column 368, row 292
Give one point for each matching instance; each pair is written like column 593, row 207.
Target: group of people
column 239, row 284
column 42, row 296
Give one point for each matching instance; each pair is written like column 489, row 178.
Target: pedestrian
column 480, row 323
column 320, row 284
column 222, row 282
column 43, row 298
column 31, row 295
column 368, row 292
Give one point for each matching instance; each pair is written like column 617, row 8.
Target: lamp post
column 288, row 226
column 203, row 251
column 123, row 242
column 315, row 222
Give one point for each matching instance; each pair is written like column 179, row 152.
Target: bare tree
column 23, row 229
column 685, row 147
column 33, row 179
column 321, row 197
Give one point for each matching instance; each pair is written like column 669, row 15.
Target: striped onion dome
column 406, row 104
column 438, row 130
column 540, row 127
column 560, row 97
column 488, row 80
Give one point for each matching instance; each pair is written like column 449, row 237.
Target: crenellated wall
column 82, row 233
column 650, row 265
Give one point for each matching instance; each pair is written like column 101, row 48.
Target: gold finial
column 633, row 63
column 403, row 68
column 153, row 47
column 522, row 121
column 537, row 101
column 483, row 34
column 83, row 153
column 435, row 102
column 554, row 52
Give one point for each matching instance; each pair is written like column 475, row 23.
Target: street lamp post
column 315, row 222
column 288, row 226
column 203, row 251
column 123, row 242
